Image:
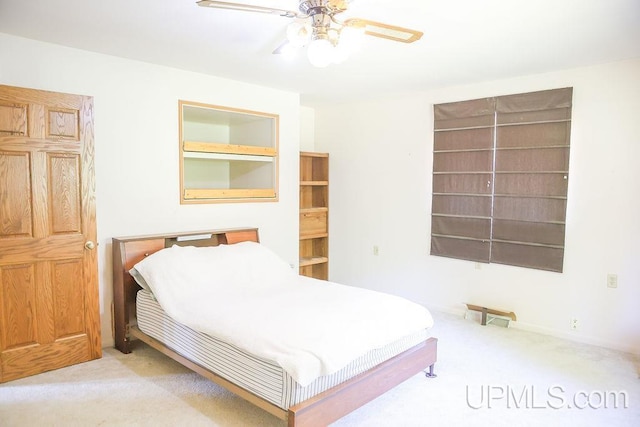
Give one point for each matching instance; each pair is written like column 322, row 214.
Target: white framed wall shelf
column 227, row 154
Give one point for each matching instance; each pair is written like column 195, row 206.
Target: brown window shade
column 538, row 209
column 529, row 232
column 466, row 114
column 463, row 161
column 541, row 258
column 534, row 135
column 526, row 159
column 500, row 174
column 462, row 175
column 478, row 228
column 478, row 183
column 473, row 250
column 475, row 206
column 464, row 139
column 532, row 184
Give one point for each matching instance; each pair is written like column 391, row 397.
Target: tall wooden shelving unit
column 314, row 215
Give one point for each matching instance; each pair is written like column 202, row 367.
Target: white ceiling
column 464, row 41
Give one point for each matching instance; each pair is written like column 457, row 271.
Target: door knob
column 90, row 245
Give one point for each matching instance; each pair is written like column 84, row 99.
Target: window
column 500, row 175
column 227, row 154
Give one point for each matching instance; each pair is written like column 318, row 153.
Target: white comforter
column 248, row 296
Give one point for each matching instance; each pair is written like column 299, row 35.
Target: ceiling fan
column 315, row 25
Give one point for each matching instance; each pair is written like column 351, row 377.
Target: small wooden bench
column 488, row 312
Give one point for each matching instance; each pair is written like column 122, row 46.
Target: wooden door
column 49, row 310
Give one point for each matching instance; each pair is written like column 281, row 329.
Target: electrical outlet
column 574, row 325
column 376, row 250
column 612, row 280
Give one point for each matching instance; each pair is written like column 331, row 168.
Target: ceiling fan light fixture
column 320, row 52
column 328, row 39
column 299, row 33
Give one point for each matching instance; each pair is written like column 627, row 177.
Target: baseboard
column 584, row 339
column 529, row 327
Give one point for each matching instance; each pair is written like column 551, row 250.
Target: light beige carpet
column 487, row 376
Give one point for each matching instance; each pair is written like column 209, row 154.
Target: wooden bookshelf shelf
column 313, row 260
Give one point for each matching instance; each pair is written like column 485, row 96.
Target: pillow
column 244, row 264
column 139, row 279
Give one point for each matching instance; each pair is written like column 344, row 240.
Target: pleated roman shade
column 500, row 174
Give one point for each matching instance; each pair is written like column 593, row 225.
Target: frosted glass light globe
column 320, row 52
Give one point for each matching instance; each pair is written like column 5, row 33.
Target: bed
column 261, row 380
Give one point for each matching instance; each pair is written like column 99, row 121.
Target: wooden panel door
column 49, row 309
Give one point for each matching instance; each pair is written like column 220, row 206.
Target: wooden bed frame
column 321, row 409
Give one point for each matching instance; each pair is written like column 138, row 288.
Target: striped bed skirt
column 260, row 376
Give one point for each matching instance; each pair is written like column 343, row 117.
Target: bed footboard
column 339, row 401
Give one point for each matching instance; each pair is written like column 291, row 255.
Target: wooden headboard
column 127, row 251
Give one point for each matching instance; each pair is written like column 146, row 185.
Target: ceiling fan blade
column 249, row 8
column 281, row 48
column 385, row 31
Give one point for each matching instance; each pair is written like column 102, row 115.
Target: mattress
column 262, row 377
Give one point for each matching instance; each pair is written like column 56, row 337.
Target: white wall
column 380, row 184
column 307, row 128
column 381, row 164
column 136, row 135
